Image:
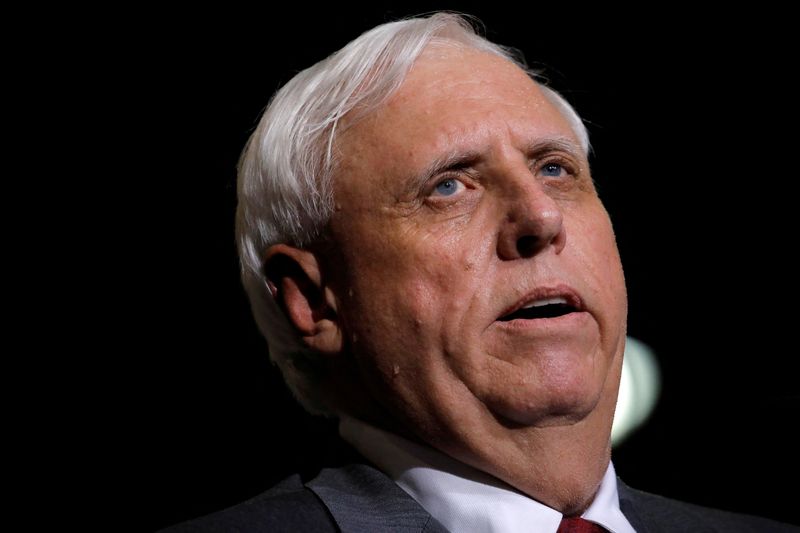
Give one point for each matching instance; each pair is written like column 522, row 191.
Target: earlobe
column 296, row 282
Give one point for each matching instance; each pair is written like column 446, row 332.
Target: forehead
column 453, row 98
column 446, row 70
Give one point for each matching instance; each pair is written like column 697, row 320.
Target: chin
column 559, row 406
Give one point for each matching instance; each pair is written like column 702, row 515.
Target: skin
column 405, row 299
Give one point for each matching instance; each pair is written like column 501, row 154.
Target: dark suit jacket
column 359, row 498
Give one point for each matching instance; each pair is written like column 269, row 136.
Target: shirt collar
column 463, row 498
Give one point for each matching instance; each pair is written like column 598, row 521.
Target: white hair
column 286, row 169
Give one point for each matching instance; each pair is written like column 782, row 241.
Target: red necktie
column 579, row 525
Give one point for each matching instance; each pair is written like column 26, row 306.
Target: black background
column 688, row 116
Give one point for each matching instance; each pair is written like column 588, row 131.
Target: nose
column 534, row 221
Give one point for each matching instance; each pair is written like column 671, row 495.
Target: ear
column 295, row 280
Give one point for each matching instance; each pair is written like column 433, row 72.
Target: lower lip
column 570, row 320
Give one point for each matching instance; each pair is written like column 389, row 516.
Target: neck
column 560, row 466
column 560, row 463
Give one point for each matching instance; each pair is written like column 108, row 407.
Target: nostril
column 527, row 245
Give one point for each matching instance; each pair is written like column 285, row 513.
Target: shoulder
column 287, row 507
column 650, row 513
column 352, row 498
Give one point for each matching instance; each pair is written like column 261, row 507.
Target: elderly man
column 428, row 258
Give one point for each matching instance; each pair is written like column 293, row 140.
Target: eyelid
column 434, row 193
column 570, row 167
column 458, row 176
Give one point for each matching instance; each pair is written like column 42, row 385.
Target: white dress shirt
column 465, row 499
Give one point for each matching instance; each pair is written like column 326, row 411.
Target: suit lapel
column 633, row 517
column 361, row 498
column 628, row 506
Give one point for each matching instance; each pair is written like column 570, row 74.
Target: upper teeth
column 546, row 301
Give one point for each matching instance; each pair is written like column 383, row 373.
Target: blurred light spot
column 638, row 389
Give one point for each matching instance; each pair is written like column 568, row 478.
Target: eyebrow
column 458, row 159
column 452, row 160
column 553, row 144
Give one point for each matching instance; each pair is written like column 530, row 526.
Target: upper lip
column 566, row 292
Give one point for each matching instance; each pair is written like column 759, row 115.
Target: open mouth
column 545, row 308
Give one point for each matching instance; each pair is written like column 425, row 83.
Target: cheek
column 424, row 263
column 396, row 326
column 411, row 289
column 595, row 251
column 388, row 298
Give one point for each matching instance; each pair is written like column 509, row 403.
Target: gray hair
column 286, row 169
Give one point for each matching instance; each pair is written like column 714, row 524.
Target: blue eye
column 553, row 170
column 448, row 187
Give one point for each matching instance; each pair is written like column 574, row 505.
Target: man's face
column 479, row 283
